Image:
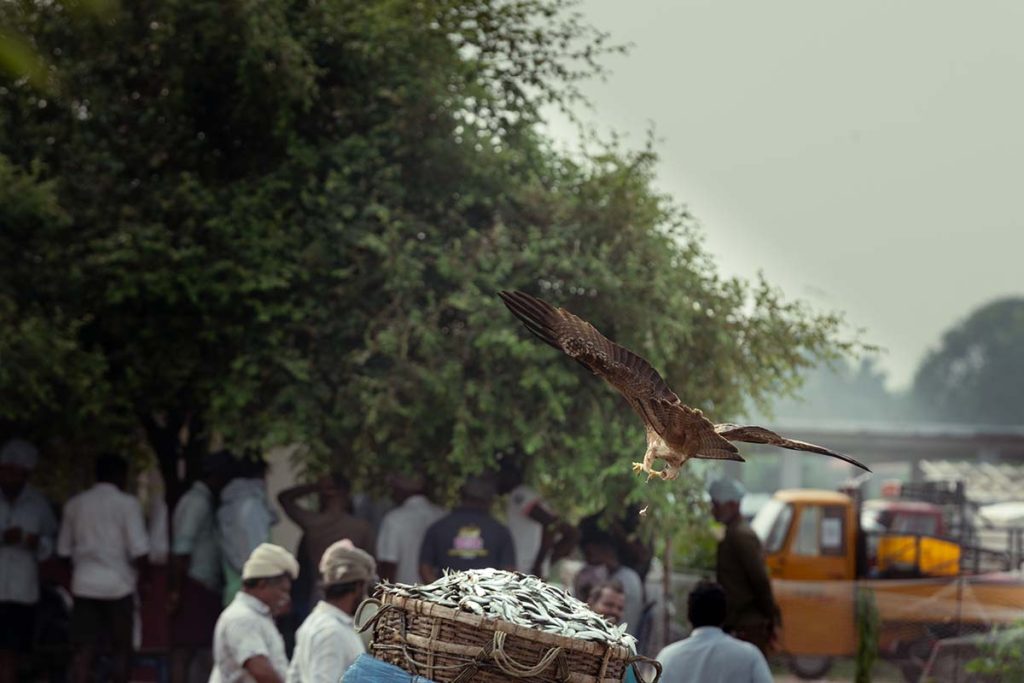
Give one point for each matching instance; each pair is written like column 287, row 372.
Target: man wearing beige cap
column 246, row 643
column 327, row 644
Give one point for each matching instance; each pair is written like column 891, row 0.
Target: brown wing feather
column 681, row 425
column 630, row 374
column 752, row 434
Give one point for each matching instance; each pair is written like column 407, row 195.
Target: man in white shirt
column 327, row 644
column 244, row 519
column 27, row 528
column 247, row 647
column 195, row 581
column 531, row 522
column 104, row 534
column 402, row 530
column 710, row 655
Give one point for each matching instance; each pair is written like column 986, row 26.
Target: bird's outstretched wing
column 630, row 374
column 752, row 434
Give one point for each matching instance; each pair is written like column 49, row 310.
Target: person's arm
column 137, row 542
column 41, row 543
column 634, row 599
column 289, row 500
column 176, row 581
column 65, row 538
column 759, row 671
column 567, row 538
column 428, row 573
column 540, row 514
column 262, row 671
column 136, row 536
column 330, row 656
column 246, row 644
column 506, row 557
column 370, row 544
column 429, row 567
column 184, row 530
column 748, row 549
column 387, row 550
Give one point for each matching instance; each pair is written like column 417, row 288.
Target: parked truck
column 821, row 557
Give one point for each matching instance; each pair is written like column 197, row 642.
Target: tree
column 286, row 223
column 977, row 373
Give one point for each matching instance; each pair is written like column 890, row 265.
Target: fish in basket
column 487, row 625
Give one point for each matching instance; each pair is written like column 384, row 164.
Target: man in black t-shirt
column 468, row 537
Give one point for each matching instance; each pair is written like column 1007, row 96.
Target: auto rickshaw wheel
column 809, row 667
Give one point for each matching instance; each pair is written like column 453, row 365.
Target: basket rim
column 477, row 621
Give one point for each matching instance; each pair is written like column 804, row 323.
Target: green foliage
column 1001, row 654
column 868, row 631
column 977, row 374
column 286, row 223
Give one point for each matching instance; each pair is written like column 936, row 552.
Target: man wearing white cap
column 327, row 644
column 246, row 643
column 27, row 528
column 751, row 612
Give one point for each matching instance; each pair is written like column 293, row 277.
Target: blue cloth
column 630, row 676
column 370, row 670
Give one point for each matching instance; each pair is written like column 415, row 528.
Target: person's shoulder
column 626, row 574
column 190, row 501
column 495, row 525
column 129, row 501
column 522, row 494
column 76, row 501
column 237, row 616
column 34, row 495
column 741, row 532
column 392, row 516
column 743, row 648
column 673, row 650
column 438, row 525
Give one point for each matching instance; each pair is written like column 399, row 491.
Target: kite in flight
column 675, row 432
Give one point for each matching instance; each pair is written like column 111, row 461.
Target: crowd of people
column 239, row 608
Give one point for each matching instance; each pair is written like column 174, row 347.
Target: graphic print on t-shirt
column 468, row 543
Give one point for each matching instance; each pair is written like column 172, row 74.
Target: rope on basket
column 492, row 652
column 513, row 668
column 404, row 648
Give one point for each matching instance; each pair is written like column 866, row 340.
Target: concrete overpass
column 877, row 444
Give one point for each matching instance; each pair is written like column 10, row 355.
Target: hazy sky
column 867, row 156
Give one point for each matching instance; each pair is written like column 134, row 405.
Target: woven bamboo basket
column 451, row 646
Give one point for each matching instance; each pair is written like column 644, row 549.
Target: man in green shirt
column 751, row 612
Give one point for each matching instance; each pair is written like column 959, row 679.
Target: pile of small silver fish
column 518, row 598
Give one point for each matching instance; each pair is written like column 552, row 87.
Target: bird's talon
column 638, row 467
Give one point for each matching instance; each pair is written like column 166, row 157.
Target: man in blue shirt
column 710, row 655
column 195, row 581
